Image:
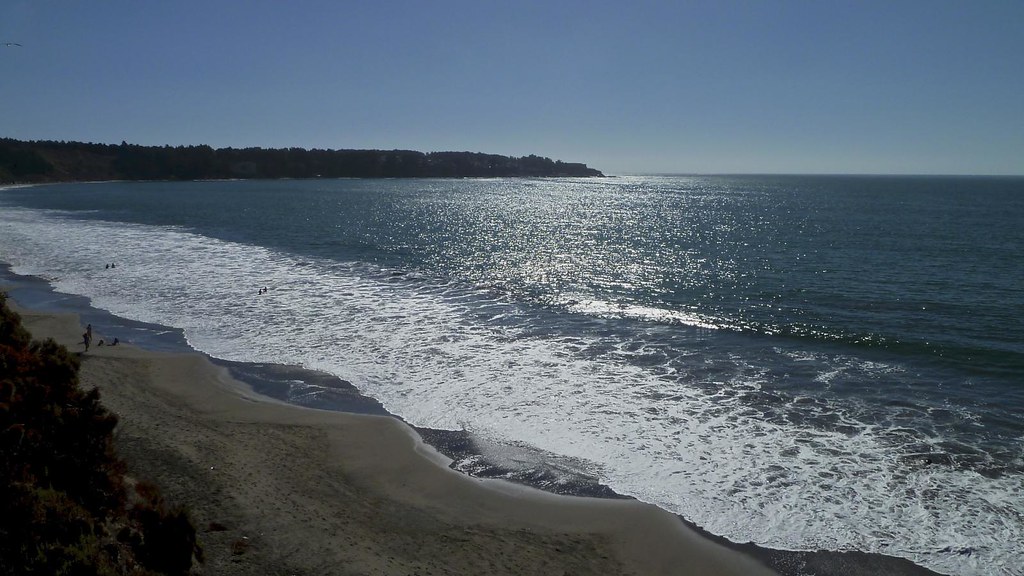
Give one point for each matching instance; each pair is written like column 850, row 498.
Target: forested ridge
column 52, row 161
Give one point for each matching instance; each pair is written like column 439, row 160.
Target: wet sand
column 280, row 489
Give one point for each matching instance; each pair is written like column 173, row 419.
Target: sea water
column 803, row 362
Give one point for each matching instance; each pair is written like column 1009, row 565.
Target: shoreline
column 443, row 447
column 274, row 487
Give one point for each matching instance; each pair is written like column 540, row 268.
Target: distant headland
column 51, row 161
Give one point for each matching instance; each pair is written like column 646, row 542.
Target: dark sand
column 279, row 489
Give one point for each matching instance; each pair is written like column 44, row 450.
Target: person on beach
column 87, row 337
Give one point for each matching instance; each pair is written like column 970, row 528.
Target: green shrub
column 168, row 537
column 62, row 488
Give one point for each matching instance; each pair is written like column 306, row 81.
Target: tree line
column 53, row 161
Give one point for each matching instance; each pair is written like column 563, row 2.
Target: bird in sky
column 11, row 44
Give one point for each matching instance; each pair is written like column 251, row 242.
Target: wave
column 752, row 439
column 992, row 358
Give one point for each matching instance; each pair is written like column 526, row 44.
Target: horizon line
column 833, row 174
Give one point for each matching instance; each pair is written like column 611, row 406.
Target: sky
column 835, row 87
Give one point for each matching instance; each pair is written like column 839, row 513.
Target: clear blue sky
column 701, row 87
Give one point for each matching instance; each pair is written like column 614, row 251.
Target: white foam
column 690, row 443
column 647, row 313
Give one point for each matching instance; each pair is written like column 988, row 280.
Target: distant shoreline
column 54, row 162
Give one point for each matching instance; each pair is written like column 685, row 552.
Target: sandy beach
column 278, row 489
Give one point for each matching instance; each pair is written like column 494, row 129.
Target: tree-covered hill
column 49, row 161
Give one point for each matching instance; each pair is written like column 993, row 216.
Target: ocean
column 803, row 362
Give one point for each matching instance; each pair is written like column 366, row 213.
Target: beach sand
column 279, row 489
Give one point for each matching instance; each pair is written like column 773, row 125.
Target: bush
column 168, row 538
column 62, row 488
